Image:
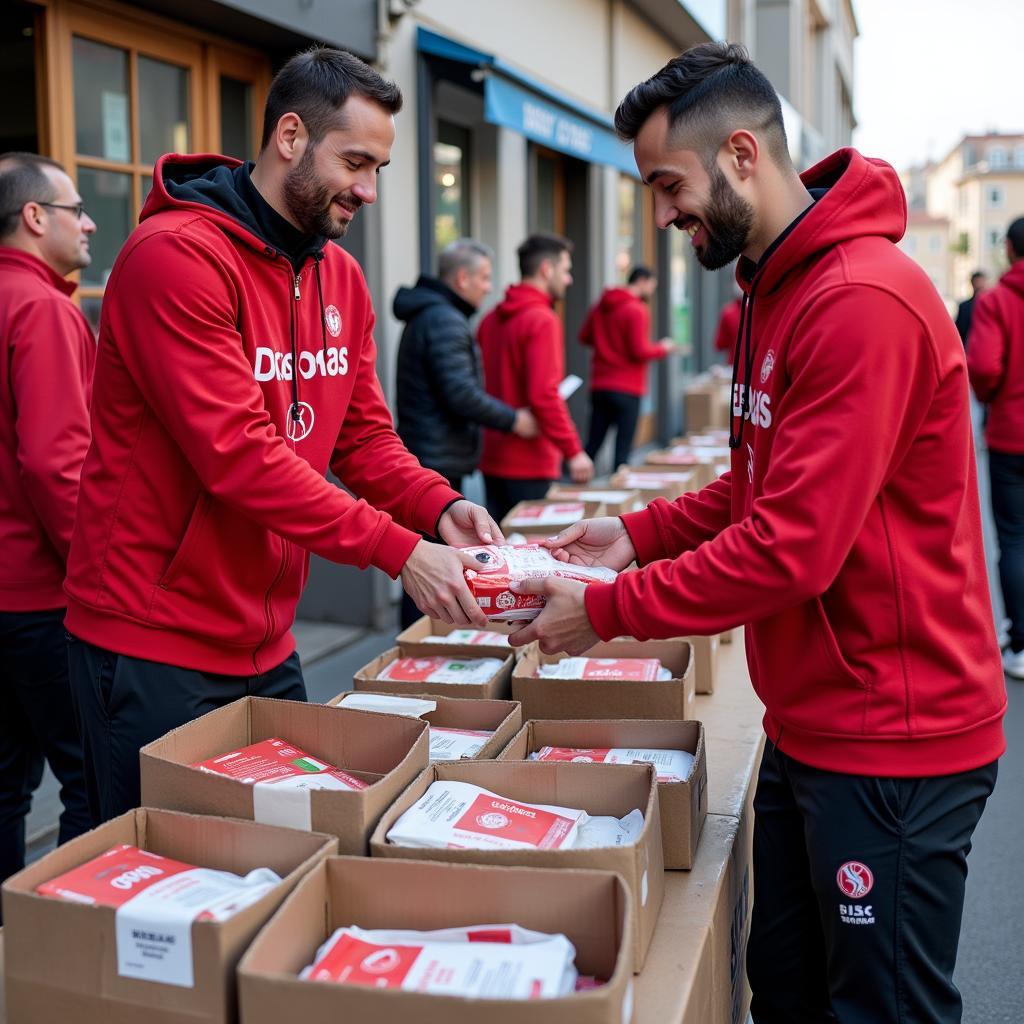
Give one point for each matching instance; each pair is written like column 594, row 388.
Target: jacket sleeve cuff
column 643, row 532
column 599, row 601
column 433, row 504
column 394, row 546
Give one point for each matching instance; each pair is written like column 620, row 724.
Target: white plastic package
column 604, row 831
column 644, row 669
column 470, row 637
column 410, row 707
column 484, row 962
column 455, row 744
column 461, row 816
column 670, row 765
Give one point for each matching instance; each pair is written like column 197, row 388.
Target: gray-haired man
column 442, row 404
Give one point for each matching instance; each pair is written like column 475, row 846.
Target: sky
column 929, row 71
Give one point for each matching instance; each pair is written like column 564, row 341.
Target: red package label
column 506, row 819
column 622, row 668
column 596, row 755
column 273, row 760
column 355, row 962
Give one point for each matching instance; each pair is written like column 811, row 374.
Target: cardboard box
column 705, row 662
column 624, row 500
column 609, row 698
column 593, row 909
column 683, row 805
column 384, row 750
column 670, row 490
column 61, row 957
column 502, row 717
column 599, row 789
column 702, row 466
column 411, row 640
column 590, row 509
column 707, row 405
column 496, row 688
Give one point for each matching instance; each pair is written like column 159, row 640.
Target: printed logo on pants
column 855, row 879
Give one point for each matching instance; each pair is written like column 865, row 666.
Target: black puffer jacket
column 442, row 403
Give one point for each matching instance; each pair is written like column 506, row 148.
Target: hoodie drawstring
column 294, row 412
column 742, row 352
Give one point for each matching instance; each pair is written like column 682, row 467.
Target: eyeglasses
column 77, row 209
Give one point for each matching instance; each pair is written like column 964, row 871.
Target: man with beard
column 236, row 363
column 847, row 538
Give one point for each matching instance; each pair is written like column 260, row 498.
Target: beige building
column 978, row 188
column 927, row 242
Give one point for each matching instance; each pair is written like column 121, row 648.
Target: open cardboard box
column 384, row 750
column 614, row 501
column 652, row 488
column 705, row 662
column 701, row 465
column 598, row 789
column 534, row 530
column 411, row 641
column 609, row 698
column 593, row 909
column 61, row 957
column 496, row 688
column 683, row 805
column 501, row 717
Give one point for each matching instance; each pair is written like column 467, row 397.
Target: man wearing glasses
column 46, row 359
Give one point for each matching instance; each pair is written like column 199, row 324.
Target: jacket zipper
column 267, row 606
column 298, row 294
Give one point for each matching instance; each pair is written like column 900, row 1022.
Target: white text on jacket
column 273, row 365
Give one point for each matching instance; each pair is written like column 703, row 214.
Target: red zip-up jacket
column 995, row 359
column 201, row 497
column 47, row 353
column 847, row 536
column 524, row 362
column 728, row 325
column 617, row 328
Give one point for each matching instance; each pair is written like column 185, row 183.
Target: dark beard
column 727, row 221
column 309, row 201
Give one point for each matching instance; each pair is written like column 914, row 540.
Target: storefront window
column 451, row 185
column 163, row 109
column 102, row 114
column 236, row 118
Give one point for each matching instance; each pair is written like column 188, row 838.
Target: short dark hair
column 977, row 274
column 710, row 90
column 538, row 248
column 1015, row 236
column 22, row 180
column 315, row 84
column 641, row 272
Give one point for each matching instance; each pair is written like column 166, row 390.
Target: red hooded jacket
column 847, row 535
column 617, row 328
column 524, row 362
column 201, row 496
column 995, row 359
column 47, row 353
column 728, row 325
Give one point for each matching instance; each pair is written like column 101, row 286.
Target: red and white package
column 501, row 565
column 455, row 744
column 643, row 480
column 671, row 765
column 547, row 514
column 641, row 669
column 156, row 901
column 441, row 669
column 470, row 637
column 282, row 776
column 483, row 962
column 461, row 816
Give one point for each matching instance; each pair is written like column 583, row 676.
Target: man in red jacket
column 847, row 538
column 995, row 360
column 618, row 328
column 523, row 349
column 236, row 363
column 46, row 366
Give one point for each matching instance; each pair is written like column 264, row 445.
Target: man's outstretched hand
column 433, row 578
column 603, row 541
column 563, row 624
column 465, row 525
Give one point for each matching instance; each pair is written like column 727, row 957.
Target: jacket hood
column 520, row 297
column 613, row 298
column 1014, row 278
column 427, row 292
column 864, row 197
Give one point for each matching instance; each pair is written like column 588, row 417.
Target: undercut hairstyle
column 23, row 180
column 538, row 248
column 710, row 91
column 640, row 273
column 316, row 83
column 1015, row 236
column 462, row 254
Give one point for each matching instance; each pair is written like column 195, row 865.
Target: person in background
column 869, row 631
column 617, row 328
column 524, row 361
column 441, row 399
column 236, row 364
column 964, row 312
column 995, row 362
column 48, row 352
column 728, row 328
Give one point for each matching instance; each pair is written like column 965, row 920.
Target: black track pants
column 858, row 893
column 123, row 703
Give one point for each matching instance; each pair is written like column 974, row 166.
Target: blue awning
column 514, row 100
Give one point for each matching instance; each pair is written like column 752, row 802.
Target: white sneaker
column 1003, row 634
column 1013, row 664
